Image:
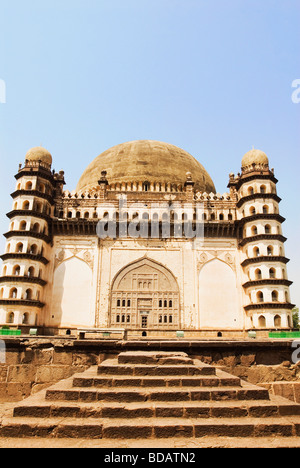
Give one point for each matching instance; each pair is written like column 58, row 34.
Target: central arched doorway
column 145, row 295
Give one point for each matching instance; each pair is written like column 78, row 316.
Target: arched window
column 256, row 252
column 250, row 191
column 86, row 215
column 263, row 189
column 160, row 303
column 16, row 270
column 19, row 247
column 10, row 317
column 265, row 209
column 252, row 210
column 118, row 319
column 42, row 188
column 277, row 321
column 221, row 217
column 25, row 318
column 262, row 321
column 28, row 186
column 230, row 217
column 118, row 303
column 270, row 250
column 33, row 249
column 23, row 225
column 268, row 229
column 28, row 294
column 254, row 230
column 39, row 207
column 260, row 296
column 13, row 293
column 165, row 303
column 170, row 303
column 25, row 205
column 274, row 296
column 36, row 227
column 286, row 294
column 123, row 303
column 272, row 273
column 258, row 274
column 30, row 272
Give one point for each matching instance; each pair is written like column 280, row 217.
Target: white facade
column 58, row 274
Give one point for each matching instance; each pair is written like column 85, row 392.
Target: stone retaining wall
column 32, row 364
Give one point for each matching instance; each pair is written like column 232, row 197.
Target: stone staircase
column 154, row 396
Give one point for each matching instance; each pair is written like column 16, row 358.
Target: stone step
column 154, row 357
column 91, row 379
column 186, row 401
column 37, row 406
column 112, row 367
column 148, row 428
column 173, row 445
column 128, row 394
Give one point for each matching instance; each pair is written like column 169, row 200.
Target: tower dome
column 255, row 156
column 146, row 160
column 39, row 153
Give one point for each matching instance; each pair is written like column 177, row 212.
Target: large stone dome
column 146, row 160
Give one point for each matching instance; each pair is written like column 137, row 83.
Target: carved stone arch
column 145, row 294
column 204, row 263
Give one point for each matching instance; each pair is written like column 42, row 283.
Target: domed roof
column 146, row 160
column 39, row 154
column 254, row 156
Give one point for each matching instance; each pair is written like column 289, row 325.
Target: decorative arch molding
column 145, row 294
column 204, row 259
column 142, row 262
column 62, row 257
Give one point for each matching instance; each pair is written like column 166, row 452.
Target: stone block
column 3, row 372
column 21, row 373
column 268, row 430
column 85, row 431
column 297, row 391
column 127, row 432
column 162, row 432
column 63, row 357
column 168, row 412
column 52, row 373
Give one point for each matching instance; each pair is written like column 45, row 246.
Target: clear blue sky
column 211, row 76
